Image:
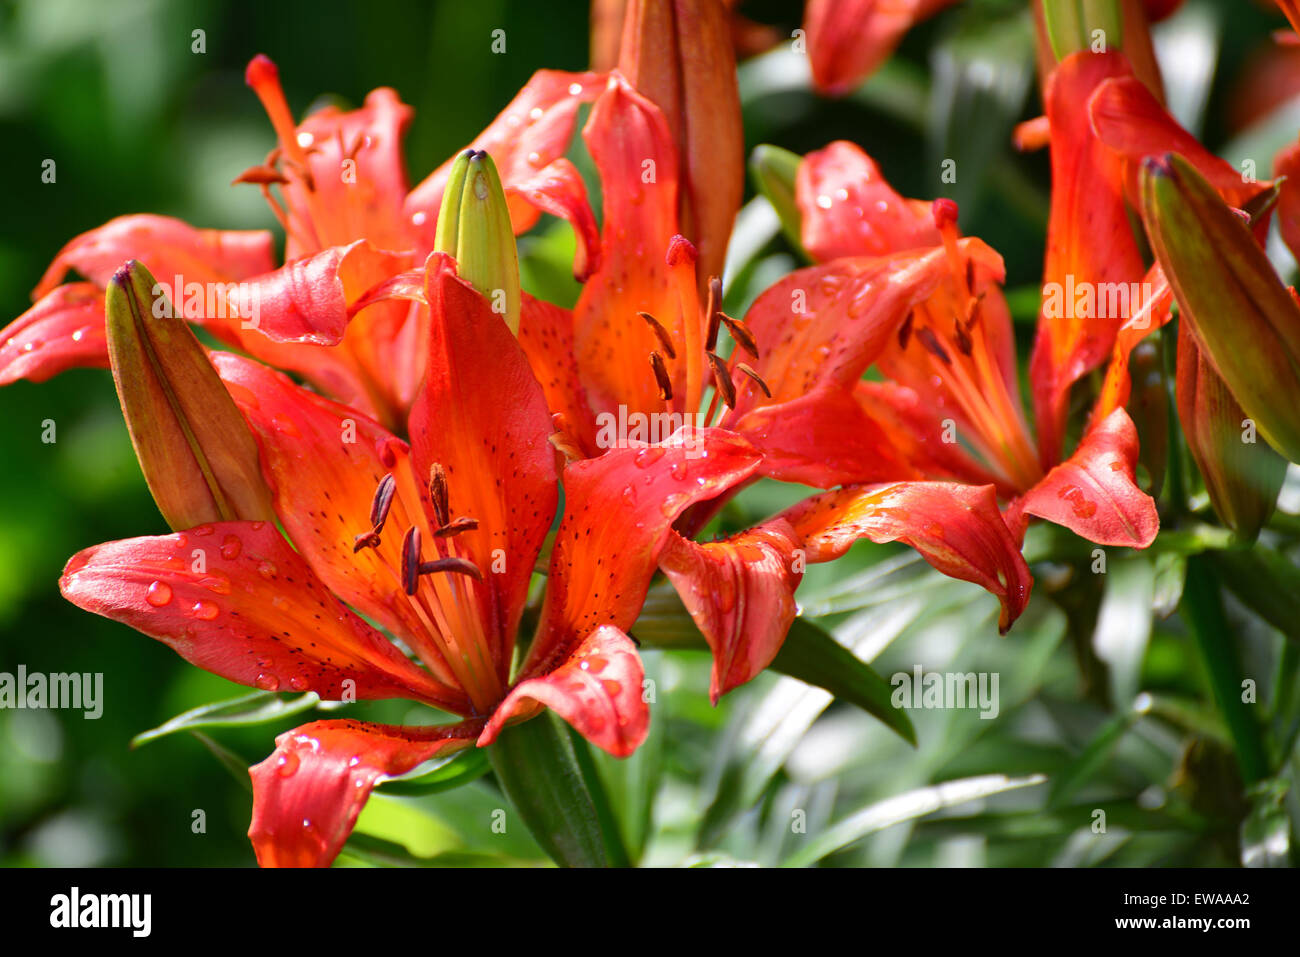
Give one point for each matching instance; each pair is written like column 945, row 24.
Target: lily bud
column 1243, row 476
column 1245, row 322
column 774, row 171
column 196, row 451
column 679, row 55
column 474, row 229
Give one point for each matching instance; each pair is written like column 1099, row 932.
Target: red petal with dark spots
column 1094, row 492
column 956, row 528
column 236, row 600
column 323, row 462
column 64, row 330
column 482, row 416
column 598, row 690
column 546, row 336
column 740, row 592
column 308, row 793
column 618, row 512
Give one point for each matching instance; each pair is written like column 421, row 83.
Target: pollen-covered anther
column 456, row 526
column 365, row 540
column 382, row 502
column 438, row 494
column 714, row 312
column 454, row 565
column 661, row 376
column 665, row 340
column 411, row 560
column 933, row 345
column 722, row 379
column 758, row 379
column 741, row 333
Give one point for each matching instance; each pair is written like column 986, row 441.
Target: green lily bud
column 198, row 456
column 1070, row 24
column 1245, row 322
column 1243, row 476
column 474, row 229
column 773, row 171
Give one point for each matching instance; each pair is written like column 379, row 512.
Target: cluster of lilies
column 364, row 482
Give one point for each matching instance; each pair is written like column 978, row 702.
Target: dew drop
column 159, row 594
column 231, row 547
column 266, row 569
column 298, row 683
column 286, row 764
column 267, row 682
column 204, row 610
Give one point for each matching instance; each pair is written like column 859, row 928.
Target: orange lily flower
column 434, row 541
column 350, row 222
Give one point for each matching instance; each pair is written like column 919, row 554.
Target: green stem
column 1202, row 609
column 539, row 772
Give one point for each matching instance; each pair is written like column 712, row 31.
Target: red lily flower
column 640, row 343
column 442, row 564
column 849, row 39
column 950, row 367
column 350, row 223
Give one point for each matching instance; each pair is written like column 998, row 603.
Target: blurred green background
column 136, row 122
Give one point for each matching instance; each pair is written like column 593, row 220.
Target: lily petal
column 236, row 600
column 618, row 511
column 308, row 793
column 956, row 528
column 740, row 592
column 848, row 39
column 598, row 690
column 847, row 208
column 546, row 336
column 167, row 247
column 63, row 330
column 1089, row 241
column 1094, row 492
column 499, row 465
column 558, row 189
column 530, row 134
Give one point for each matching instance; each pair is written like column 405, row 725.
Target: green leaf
column 1124, row 624
column 1266, row 582
column 905, row 807
column 376, row 852
column 440, row 774
column 232, row 762
column 537, row 768
column 1266, row 832
column 260, row 707
column 1092, row 759
column 815, row 658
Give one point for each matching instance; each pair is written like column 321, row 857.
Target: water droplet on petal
column 298, row 683
column 204, row 610
column 159, row 594
column 230, row 547
column 266, row 569
column 267, row 682
column 286, row 764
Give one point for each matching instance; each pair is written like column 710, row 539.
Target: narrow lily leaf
column 1171, row 575
column 259, row 707
column 441, row 774
column 1090, row 760
column 1244, row 320
column 1124, row 624
column 814, row 657
column 538, row 770
column 1266, row 581
column 1266, row 832
column 237, row 766
column 197, row 454
column 905, row 807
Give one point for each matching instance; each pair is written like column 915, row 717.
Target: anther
column 438, row 494
column 722, row 379
column 932, row 344
column 962, row 337
column 741, row 333
column 365, row 540
column 462, row 524
column 459, row 566
column 758, row 379
column 411, row 560
column 715, row 312
column 905, row 332
column 382, row 502
column 661, row 334
column 661, row 376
